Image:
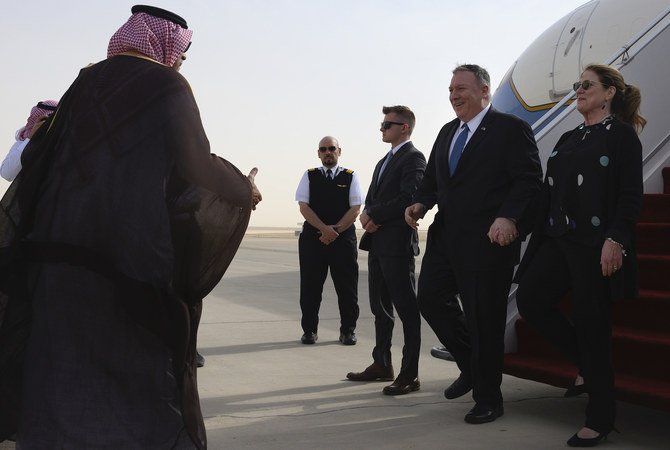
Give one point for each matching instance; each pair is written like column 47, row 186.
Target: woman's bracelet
column 623, row 251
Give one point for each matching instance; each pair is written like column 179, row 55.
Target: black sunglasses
column 586, row 84
column 388, row 124
column 332, row 148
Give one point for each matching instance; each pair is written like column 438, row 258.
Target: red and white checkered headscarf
column 157, row 38
column 36, row 114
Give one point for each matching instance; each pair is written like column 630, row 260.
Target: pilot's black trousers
column 560, row 266
column 341, row 256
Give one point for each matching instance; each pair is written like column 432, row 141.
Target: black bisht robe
column 121, row 182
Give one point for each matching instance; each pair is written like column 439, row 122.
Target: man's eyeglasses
column 388, row 124
column 586, row 84
column 332, row 148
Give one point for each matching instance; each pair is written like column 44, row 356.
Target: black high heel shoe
column 576, row 441
column 575, row 390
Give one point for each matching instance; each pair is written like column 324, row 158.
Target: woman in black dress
column 583, row 240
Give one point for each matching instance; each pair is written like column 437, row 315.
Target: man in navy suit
column 392, row 246
column 483, row 173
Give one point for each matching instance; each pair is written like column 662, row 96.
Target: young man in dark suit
column 392, row 246
column 483, row 173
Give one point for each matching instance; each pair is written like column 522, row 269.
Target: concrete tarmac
column 262, row 389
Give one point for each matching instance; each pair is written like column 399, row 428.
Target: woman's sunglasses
column 586, row 84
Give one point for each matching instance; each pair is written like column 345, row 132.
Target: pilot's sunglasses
column 332, row 148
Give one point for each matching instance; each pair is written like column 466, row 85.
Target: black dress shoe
column 199, row 359
column 458, row 388
column 401, row 387
column 309, row 338
column 483, row 413
column 575, row 390
column 374, row 372
column 348, row 338
column 441, row 352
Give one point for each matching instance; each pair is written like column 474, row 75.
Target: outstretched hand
column 256, row 196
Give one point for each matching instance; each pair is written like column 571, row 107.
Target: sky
column 272, row 77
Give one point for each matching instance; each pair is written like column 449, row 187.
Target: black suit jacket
column 387, row 200
column 498, row 175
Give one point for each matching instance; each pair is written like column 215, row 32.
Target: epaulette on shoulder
column 348, row 170
column 313, row 169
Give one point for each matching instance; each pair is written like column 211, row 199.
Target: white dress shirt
column 473, row 124
column 355, row 197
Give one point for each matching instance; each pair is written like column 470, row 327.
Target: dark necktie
column 457, row 151
column 329, row 174
column 386, row 161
